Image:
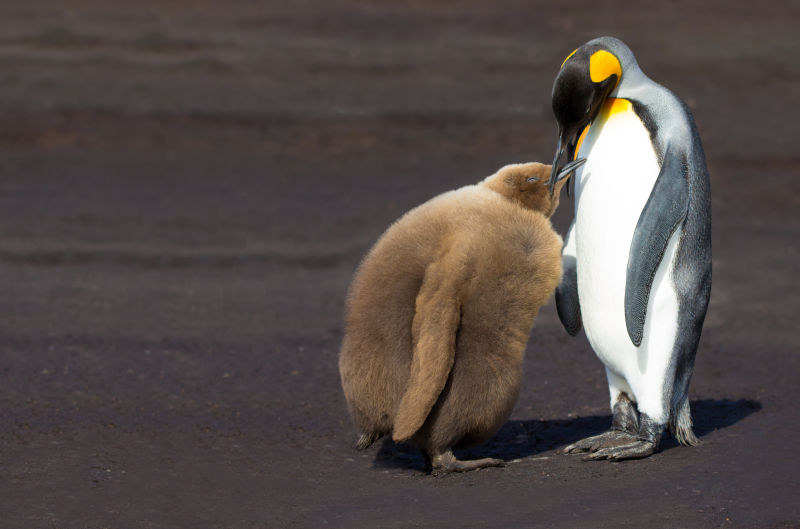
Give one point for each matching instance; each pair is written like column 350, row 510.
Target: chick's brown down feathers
column 439, row 312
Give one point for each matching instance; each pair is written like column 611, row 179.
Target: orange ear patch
column 603, row 65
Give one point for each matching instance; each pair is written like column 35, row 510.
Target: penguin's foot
column 366, row 440
column 608, row 440
column 446, row 462
column 620, row 445
column 635, row 450
column 624, row 430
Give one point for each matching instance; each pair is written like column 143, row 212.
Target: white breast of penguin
column 611, row 190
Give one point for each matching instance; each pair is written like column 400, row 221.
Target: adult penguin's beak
column 563, row 163
column 568, row 169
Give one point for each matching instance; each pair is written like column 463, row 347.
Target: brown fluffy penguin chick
column 439, row 312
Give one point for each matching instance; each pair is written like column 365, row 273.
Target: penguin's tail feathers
column 680, row 424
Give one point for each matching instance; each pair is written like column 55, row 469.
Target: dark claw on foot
column 366, row 439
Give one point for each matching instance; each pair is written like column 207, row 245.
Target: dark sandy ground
column 186, row 188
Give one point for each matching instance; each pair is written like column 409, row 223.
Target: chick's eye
column 533, row 179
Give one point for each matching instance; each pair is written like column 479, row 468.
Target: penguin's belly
column 611, row 191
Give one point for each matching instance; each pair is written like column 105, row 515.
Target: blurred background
column 186, row 188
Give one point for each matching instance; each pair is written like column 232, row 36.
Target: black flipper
column 567, row 304
column 664, row 212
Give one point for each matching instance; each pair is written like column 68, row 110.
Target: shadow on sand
column 519, row 439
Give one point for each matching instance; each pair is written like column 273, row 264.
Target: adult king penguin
column 637, row 259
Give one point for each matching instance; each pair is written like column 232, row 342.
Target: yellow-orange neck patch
column 603, row 65
column 613, row 106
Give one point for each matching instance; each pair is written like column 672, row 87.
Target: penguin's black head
column 587, row 76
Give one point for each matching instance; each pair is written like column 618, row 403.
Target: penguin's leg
column 624, row 422
column 446, row 462
column 624, row 429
